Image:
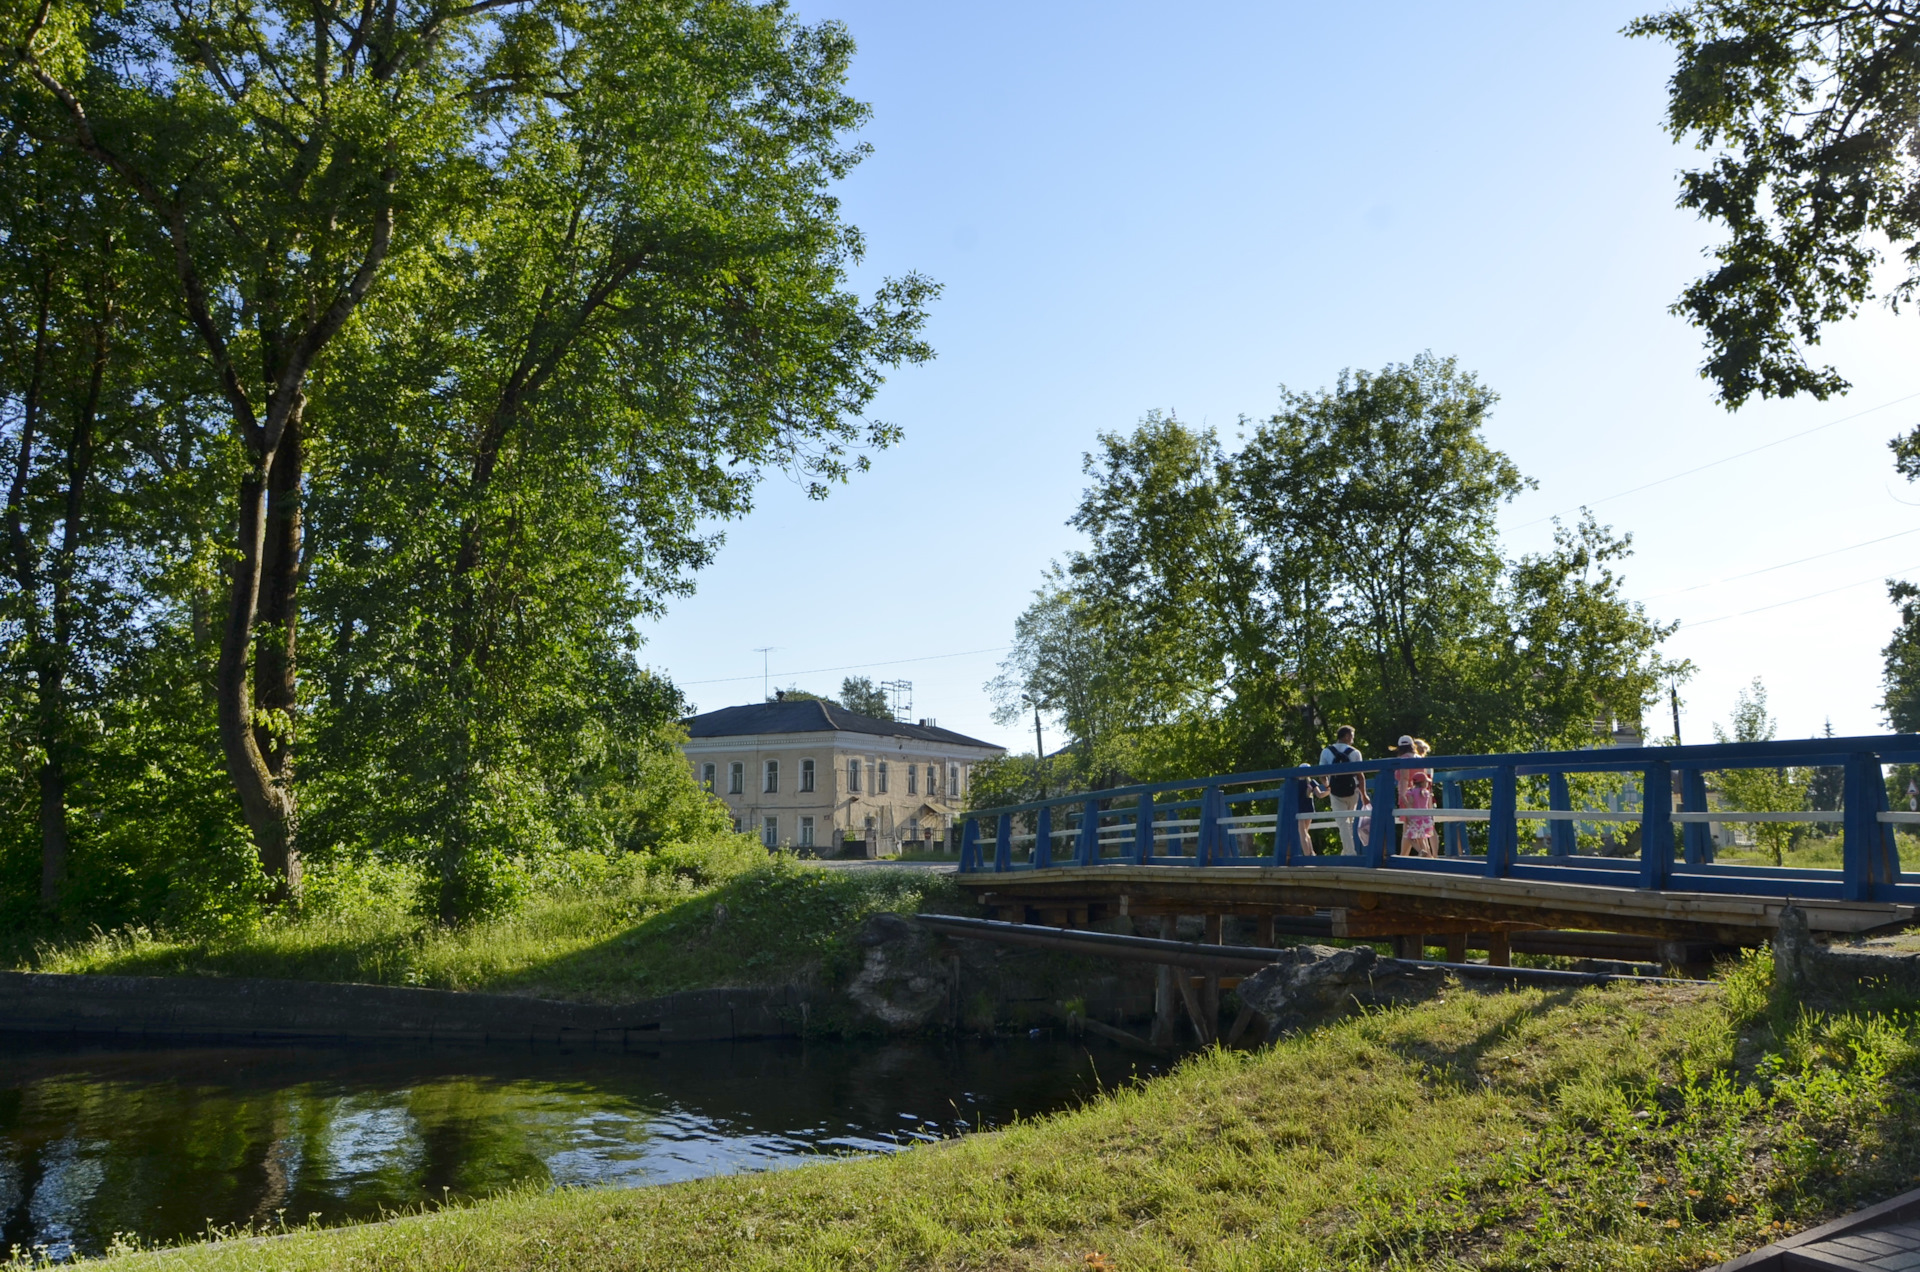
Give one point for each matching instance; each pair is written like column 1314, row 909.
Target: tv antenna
column 899, row 697
column 766, row 681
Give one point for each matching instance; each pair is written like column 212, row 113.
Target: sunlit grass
column 1638, row 1128
column 627, row 934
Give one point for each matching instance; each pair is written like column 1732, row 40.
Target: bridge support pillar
column 1499, row 950
column 1210, row 987
column 1456, row 947
column 1163, row 991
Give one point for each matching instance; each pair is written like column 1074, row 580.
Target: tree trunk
column 278, row 613
column 265, row 802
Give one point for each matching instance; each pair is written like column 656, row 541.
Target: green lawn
column 1607, row 1128
column 630, row 935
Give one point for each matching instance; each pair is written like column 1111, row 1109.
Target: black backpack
column 1344, row 784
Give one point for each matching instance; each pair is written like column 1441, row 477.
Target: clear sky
column 1140, row 206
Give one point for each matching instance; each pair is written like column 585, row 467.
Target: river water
column 160, row 1142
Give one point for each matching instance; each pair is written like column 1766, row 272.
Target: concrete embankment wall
column 242, row 1008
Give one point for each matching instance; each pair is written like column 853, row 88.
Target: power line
column 1725, row 459
column 1812, row 596
column 820, row 671
column 1733, row 578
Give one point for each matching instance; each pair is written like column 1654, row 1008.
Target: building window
column 913, row 828
column 707, row 776
column 736, row 825
column 933, row 785
column 870, row 775
column 913, row 780
column 806, row 830
column 806, row 775
column 953, row 781
column 880, row 780
column 771, row 785
column 770, row 832
column 853, row 776
column 736, row 778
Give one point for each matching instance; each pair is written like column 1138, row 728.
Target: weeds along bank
column 1624, row 1127
column 719, row 911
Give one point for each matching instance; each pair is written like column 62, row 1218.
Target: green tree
column 1229, row 609
column 1760, row 790
column 1812, row 111
column 861, row 696
column 502, row 302
column 1826, row 783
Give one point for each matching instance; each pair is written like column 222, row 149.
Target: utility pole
column 1673, row 695
column 1039, row 748
column 765, row 680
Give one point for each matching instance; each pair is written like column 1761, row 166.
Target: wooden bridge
column 1237, row 845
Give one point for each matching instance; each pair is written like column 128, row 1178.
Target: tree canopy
column 1812, row 111
column 403, row 357
column 1230, row 609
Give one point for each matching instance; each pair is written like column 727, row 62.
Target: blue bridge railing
column 1260, row 819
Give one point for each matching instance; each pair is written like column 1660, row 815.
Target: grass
column 1620, row 1128
column 617, row 936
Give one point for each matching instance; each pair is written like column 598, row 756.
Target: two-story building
column 812, row 775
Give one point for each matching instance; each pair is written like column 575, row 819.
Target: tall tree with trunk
column 620, row 197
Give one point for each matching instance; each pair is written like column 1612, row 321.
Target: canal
column 158, row 1143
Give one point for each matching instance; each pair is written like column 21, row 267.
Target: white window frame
column 737, row 778
column 770, row 778
column 953, row 781
column 853, row 777
column 806, row 776
column 806, row 832
column 770, row 830
column 710, row 777
column 913, row 779
column 880, row 778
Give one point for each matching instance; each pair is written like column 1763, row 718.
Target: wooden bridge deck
column 1369, row 902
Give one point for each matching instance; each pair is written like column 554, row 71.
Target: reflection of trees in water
column 156, row 1142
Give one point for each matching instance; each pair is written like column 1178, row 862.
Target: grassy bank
column 1636, row 1128
column 632, row 930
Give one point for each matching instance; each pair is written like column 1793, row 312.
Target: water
column 159, row 1142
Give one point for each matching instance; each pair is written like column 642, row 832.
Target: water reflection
column 160, row 1142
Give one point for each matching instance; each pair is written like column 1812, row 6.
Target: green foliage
column 860, row 695
column 1811, row 109
column 1764, row 790
column 1230, row 609
column 692, row 915
column 484, row 317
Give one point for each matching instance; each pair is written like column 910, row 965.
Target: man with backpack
column 1346, row 791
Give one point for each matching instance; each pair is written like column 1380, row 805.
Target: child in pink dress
column 1419, row 838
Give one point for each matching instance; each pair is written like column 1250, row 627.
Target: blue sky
column 1184, row 207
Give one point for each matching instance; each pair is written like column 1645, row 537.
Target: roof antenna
column 765, row 681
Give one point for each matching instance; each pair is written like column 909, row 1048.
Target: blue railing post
column 1206, row 846
column 1453, row 834
column 1003, row 842
column 1380, row 836
column 1560, row 838
column 1043, row 838
column 1869, row 861
column 1696, row 838
column 970, row 846
column 1143, row 830
column 1089, row 854
column 1656, row 825
column 1286, row 825
column 1502, row 832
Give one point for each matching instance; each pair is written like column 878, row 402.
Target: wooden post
column 1499, row 952
column 1269, row 939
column 1210, row 988
column 1456, row 947
column 1163, row 992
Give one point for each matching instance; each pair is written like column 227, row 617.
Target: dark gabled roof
column 814, row 716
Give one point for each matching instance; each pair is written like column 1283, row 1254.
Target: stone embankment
column 907, row 982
